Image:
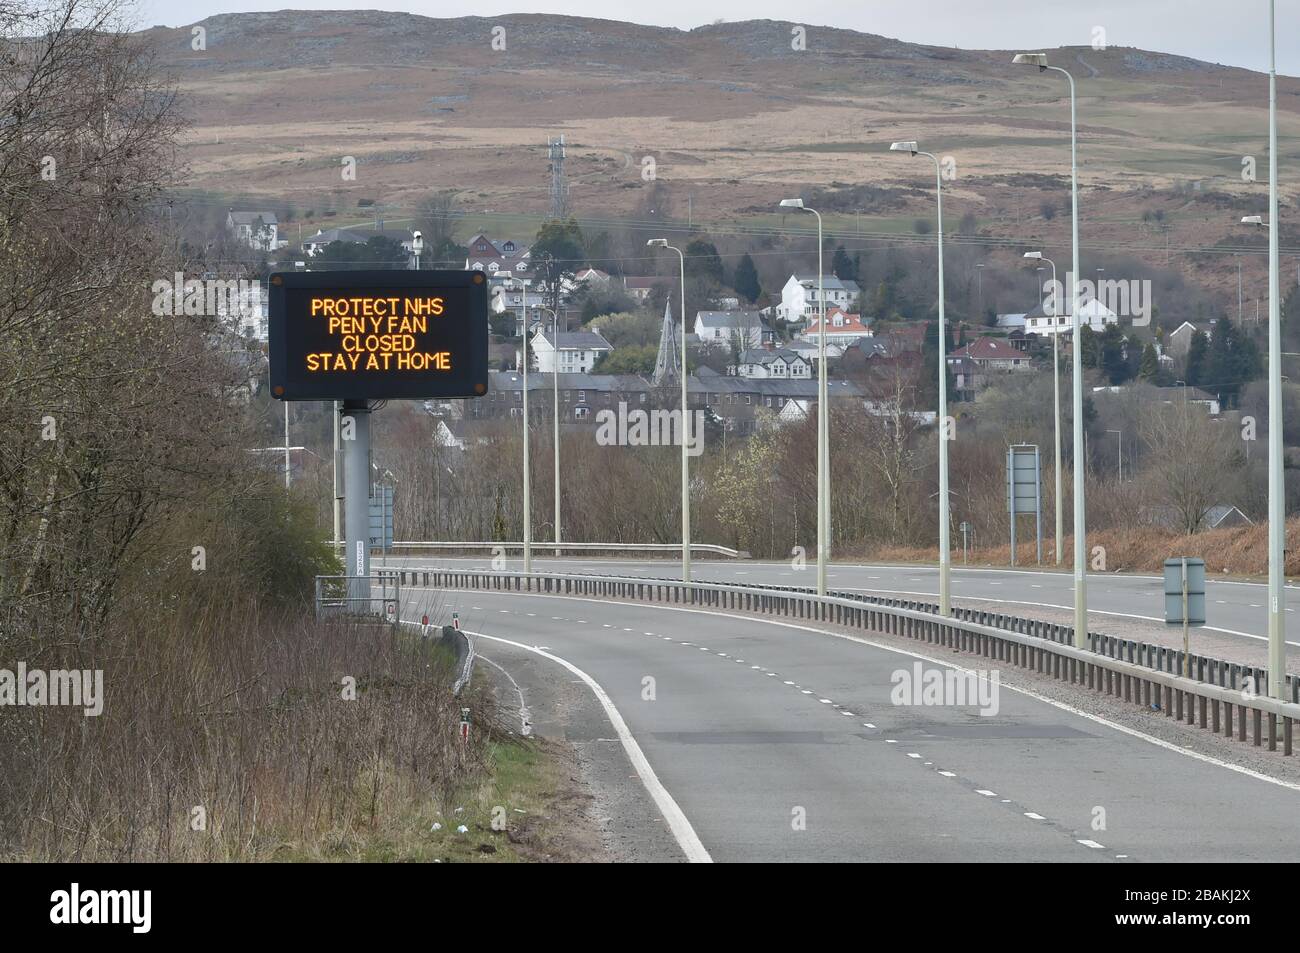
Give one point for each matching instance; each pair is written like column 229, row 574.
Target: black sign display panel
column 376, row 335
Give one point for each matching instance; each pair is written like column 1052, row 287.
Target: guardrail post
column 1256, row 713
column 1272, row 731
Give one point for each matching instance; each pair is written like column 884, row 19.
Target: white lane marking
column 525, row 716
column 1031, row 815
column 1091, row 843
column 867, row 724
column 682, row 830
column 1027, row 692
column 890, row 741
column 913, row 754
column 827, row 701
column 949, row 774
column 987, row 793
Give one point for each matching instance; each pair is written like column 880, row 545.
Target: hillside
column 733, row 118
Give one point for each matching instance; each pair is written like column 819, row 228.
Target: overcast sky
column 1220, row 31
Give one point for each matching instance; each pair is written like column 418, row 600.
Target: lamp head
column 792, row 203
column 1253, row 220
column 1031, row 59
column 908, row 145
column 1034, row 254
column 657, row 243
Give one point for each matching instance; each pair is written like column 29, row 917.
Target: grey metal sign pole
column 355, row 426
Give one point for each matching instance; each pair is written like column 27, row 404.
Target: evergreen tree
column 745, row 280
column 1113, row 358
column 844, row 267
column 1197, row 359
column 1150, row 369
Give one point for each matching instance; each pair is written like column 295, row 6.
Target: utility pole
column 1276, row 475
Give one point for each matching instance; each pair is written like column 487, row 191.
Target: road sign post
column 1024, row 491
column 355, row 337
column 355, row 427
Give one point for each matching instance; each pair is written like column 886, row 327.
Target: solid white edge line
column 1063, row 706
column 681, row 828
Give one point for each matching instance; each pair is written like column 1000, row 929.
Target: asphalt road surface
column 777, row 742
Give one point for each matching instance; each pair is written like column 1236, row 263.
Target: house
column 314, row 244
column 640, row 289
column 1179, row 341
column 1178, row 394
column 992, row 354
column 903, row 337
column 449, row 433
column 1043, row 319
column 1219, row 516
column 740, row 405
column 741, row 327
column 1009, row 322
column 578, row 351
column 508, row 293
column 590, row 277
column 771, row 362
column 842, row 329
column 490, row 256
column 258, row 230
column 799, row 296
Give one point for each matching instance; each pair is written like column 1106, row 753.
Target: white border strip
column 681, row 828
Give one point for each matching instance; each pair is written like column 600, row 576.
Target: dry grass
column 1241, row 551
column 244, row 718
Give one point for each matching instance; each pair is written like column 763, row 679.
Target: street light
column 1056, row 401
column 528, row 512
column 823, row 413
column 1276, row 476
column 1080, row 523
column 686, row 468
column 945, row 571
column 555, row 401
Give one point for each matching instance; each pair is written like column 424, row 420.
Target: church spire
column 666, row 362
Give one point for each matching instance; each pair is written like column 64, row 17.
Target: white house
column 258, row 230
column 507, row 293
column 842, row 329
column 772, row 363
column 578, row 351
column 742, row 327
column 592, row 277
column 799, row 296
column 1042, row 320
column 315, row 244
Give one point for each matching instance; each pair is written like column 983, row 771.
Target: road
column 1235, row 610
column 755, row 725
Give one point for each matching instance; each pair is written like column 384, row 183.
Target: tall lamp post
column 1276, row 475
column 686, row 419
column 1056, row 401
column 1080, row 523
column 528, row 493
column 555, row 416
column 945, row 568
column 823, row 413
